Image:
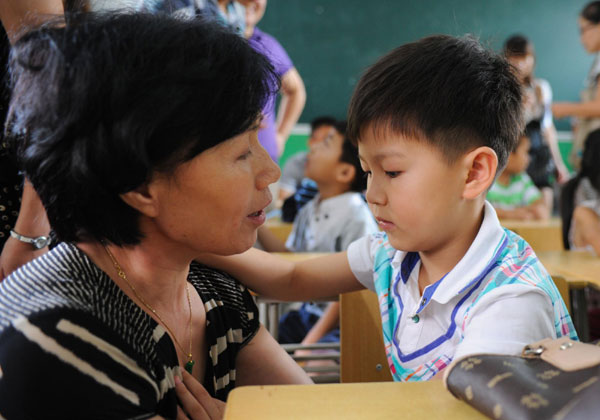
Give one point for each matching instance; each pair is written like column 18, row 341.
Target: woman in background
column 545, row 160
column 588, row 110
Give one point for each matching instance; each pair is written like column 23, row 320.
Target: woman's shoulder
column 63, row 277
column 218, row 288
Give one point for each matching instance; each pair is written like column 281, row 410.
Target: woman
column 144, row 156
column 588, row 110
column 545, row 159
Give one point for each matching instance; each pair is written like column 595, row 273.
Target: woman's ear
column 142, row 199
column 481, row 165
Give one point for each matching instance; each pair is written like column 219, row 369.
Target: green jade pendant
column 189, row 366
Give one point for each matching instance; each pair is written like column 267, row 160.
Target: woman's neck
column 158, row 279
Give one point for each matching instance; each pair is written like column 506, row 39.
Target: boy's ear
column 481, row 165
column 143, row 200
column 345, row 173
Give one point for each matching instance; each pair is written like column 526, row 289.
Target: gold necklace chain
column 190, row 363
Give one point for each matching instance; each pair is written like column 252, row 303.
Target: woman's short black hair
column 591, row 12
column 102, row 103
column 449, row 92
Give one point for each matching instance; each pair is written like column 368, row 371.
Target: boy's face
column 323, row 157
column 519, row 159
column 319, row 134
column 413, row 193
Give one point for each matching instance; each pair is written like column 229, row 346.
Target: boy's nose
column 375, row 195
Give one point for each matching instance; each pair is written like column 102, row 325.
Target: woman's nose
column 269, row 171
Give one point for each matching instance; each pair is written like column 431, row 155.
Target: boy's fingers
column 192, row 406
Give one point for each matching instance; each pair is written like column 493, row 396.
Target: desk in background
column 542, row 235
column 376, row 400
column 280, row 229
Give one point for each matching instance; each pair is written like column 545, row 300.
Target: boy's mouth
column 384, row 225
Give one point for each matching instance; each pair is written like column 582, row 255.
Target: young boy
column 336, row 217
column 434, row 120
column 514, row 195
column 292, row 172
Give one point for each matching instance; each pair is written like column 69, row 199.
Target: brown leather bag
column 552, row 379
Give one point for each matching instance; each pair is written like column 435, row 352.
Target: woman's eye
column 392, row 174
column 245, row 155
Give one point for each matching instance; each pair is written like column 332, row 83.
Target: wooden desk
column 281, row 229
column 580, row 270
column 542, row 235
column 376, row 400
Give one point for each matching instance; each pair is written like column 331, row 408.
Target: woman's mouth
column 258, row 217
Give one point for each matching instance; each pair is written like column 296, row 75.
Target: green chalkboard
column 332, row 41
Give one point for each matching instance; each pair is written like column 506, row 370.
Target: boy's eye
column 392, row 174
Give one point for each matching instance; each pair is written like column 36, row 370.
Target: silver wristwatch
column 38, row 243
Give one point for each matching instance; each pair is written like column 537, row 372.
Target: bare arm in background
column 290, row 107
column 32, row 220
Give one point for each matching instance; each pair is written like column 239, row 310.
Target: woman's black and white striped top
column 73, row 345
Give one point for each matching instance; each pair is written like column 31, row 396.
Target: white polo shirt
column 497, row 299
column 331, row 225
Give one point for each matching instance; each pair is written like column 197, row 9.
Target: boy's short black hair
column 105, row 102
column 321, row 121
column 449, row 92
column 350, row 155
column 517, row 45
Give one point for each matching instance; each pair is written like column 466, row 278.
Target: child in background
column 580, row 201
column 337, row 216
column 514, row 195
column 292, row 172
column 434, row 120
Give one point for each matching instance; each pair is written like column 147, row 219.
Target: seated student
column 580, row 201
column 332, row 220
column 292, row 172
column 514, row 195
column 434, row 120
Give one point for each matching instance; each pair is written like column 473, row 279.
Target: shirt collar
column 478, row 257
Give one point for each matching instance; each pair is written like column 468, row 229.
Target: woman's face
column 590, row 35
column 215, row 202
column 523, row 65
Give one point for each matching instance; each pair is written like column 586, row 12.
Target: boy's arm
column 269, row 241
column 277, row 278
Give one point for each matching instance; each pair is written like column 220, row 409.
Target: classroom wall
column 332, row 41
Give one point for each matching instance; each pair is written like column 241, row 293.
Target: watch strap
column 37, row 242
